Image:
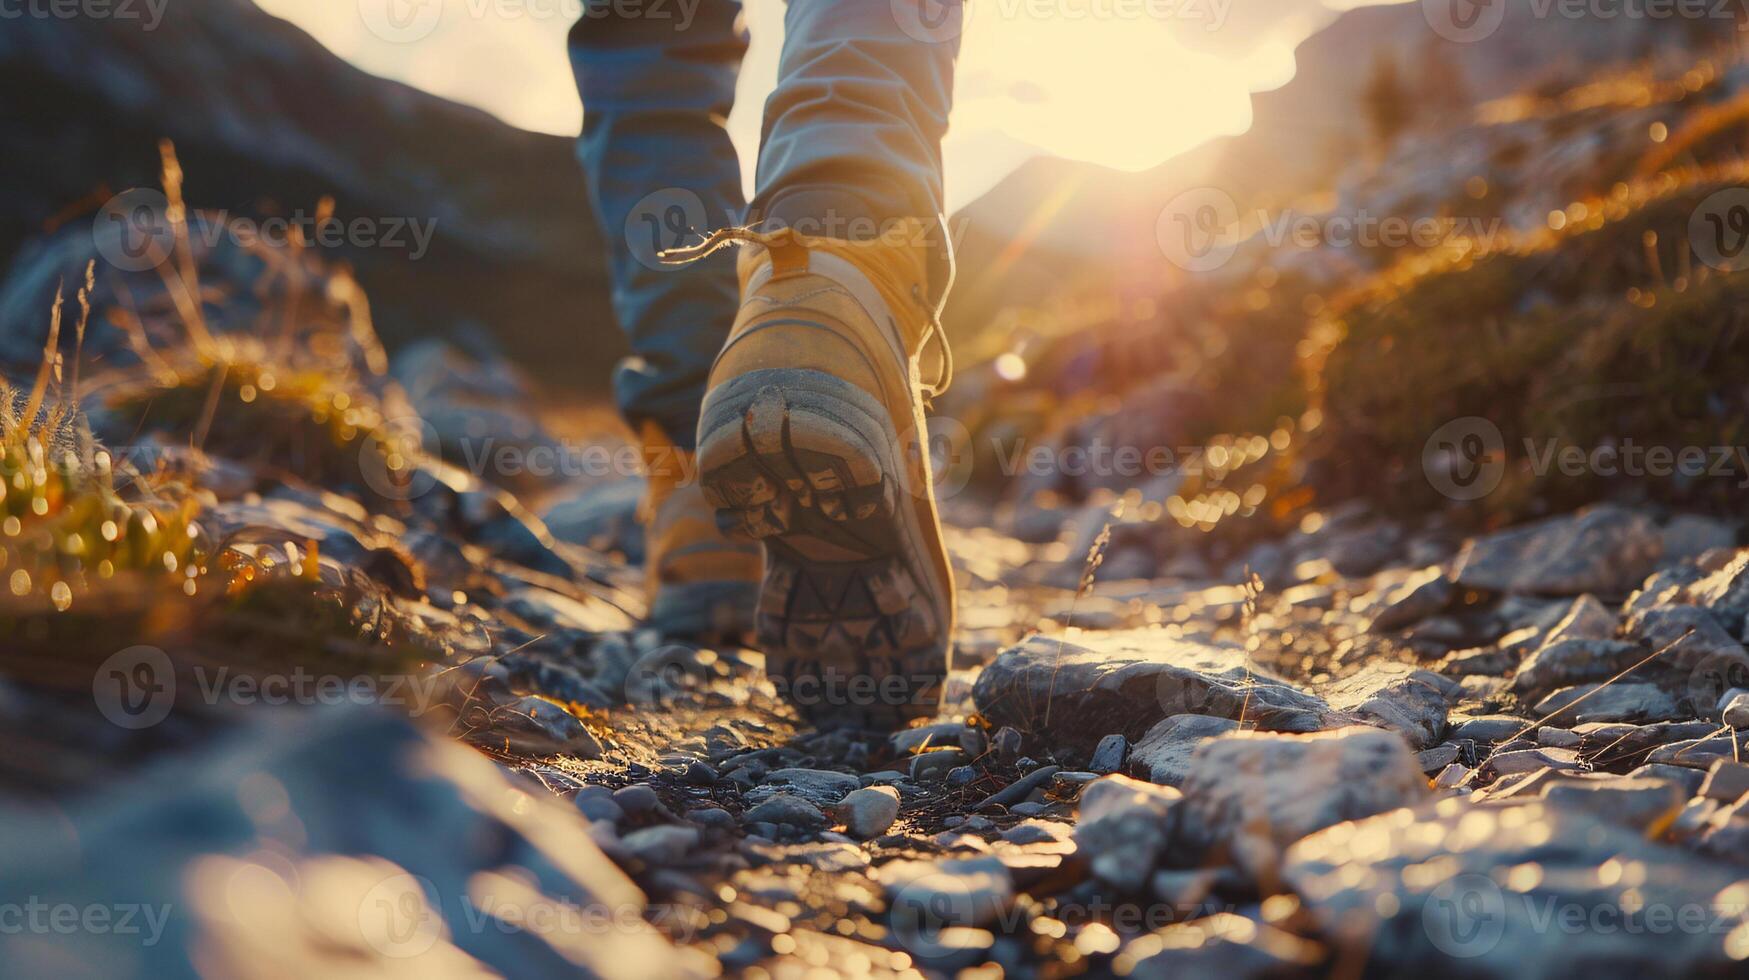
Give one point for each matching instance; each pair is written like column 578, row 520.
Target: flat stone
column 1726, row 781
column 1421, row 595
column 1529, row 760
column 1646, row 806
column 1735, row 711
column 1688, row 779
column 1437, row 758
column 596, row 803
column 821, row 787
column 1487, row 728
column 1586, row 619
column 1367, row 886
column 929, row 767
column 1122, row 828
column 1256, row 793
column 1125, row 682
column 1623, row 701
column 1701, row 753
column 1724, row 593
column 383, row 820
column 1110, row 754
column 1606, row 550
column 788, row 810
column 662, row 845
column 1559, row 738
column 1410, row 702
column 1622, row 747
column 869, row 812
column 1163, row 754
column 1571, row 662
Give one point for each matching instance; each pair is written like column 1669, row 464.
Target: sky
column 1122, row 83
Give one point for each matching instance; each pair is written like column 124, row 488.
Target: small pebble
column 637, row 799
column 700, row 774
column 868, row 812
column 961, row 776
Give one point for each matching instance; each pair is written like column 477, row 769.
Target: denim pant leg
column 656, row 93
column 852, row 133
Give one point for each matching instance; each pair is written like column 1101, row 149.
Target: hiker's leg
column 662, row 172
column 811, row 440
column 852, row 133
column 656, row 93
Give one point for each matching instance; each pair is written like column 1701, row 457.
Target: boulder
column 1127, row 681
column 363, row 847
column 1122, row 827
column 1253, row 794
column 1512, row 892
column 1605, row 549
column 1163, row 754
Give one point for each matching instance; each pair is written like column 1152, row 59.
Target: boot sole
column 852, row 616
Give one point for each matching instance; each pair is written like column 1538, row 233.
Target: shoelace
column 736, row 235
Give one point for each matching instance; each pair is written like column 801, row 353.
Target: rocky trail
column 323, row 658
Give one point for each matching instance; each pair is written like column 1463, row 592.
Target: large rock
column 1606, row 549
column 1122, row 828
column 1571, row 662
column 1724, row 593
column 1254, row 794
column 1163, row 755
column 327, row 843
column 1127, row 681
column 1533, row 890
column 1410, row 702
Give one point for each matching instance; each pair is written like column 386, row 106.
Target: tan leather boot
column 701, row 585
column 812, row 441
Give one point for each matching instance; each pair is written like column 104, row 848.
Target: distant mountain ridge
column 1300, row 133
column 264, row 116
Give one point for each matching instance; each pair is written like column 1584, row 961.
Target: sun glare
column 1086, row 80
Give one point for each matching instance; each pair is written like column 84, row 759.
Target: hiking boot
column 700, row 584
column 812, row 442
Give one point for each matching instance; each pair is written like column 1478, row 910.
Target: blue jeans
column 851, row 139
